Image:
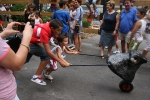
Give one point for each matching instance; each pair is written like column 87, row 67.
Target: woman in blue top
column 109, row 26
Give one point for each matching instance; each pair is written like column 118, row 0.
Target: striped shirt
column 7, row 80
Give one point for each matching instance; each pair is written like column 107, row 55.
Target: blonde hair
column 111, row 3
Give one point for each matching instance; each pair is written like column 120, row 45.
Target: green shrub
column 85, row 23
column 46, row 19
column 18, row 7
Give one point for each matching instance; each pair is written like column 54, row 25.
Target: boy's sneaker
column 47, row 76
column 117, row 51
column 38, row 80
column 72, row 48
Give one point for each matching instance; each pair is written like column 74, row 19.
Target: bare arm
column 53, row 56
column 135, row 28
column 117, row 24
column 101, row 22
column 14, row 61
column 69, row 51
column 58, row 50
column 41, row 21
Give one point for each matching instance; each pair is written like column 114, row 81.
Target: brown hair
column 111, row 3
column 72, row 4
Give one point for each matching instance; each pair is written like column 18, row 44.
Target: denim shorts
column 53, row 9
column 39, row 51
column 71, row 36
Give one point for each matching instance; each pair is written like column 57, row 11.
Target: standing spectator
column 32, row 9
column 136, row 36
column 148, row 10
column 53, row 7
column 116, row 39
column 2, row 8
column 122, row 3
column 88, row 3
column 26, row 13
column 38, row 19
column 1, row 24
column 109, row 26
column 10, row 61
column 147, row 36
column 72, row 15
column 127, row 19
column 63, row 16
column 7, row 9
column 42, row 34
column 78, row 19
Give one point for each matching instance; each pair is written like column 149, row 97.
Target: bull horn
column 133, row 60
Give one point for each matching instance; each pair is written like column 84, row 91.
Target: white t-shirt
column 147, row 33
column 72, row 13
column 2, row 8
column 138, row 35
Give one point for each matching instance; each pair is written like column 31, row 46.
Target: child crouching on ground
column 58, row 50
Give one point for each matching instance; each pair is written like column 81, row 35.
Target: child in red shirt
column 1, row 25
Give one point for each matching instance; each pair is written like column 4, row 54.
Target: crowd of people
column 130, row 24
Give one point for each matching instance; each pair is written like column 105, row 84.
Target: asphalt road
column 82, row 82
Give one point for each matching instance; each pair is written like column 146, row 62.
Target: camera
column 21, row 27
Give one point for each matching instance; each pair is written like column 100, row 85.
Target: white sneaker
column 38, row 80
column 117, row 51
column 70, row 46
column 106, row 47
column 47, row 76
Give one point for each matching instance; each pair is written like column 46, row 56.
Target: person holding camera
column 11, row 61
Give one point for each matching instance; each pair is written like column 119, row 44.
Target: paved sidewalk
column 82, row 82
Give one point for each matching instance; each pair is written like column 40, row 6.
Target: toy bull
column 125, row 66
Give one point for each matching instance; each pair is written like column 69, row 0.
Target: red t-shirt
column 41, row 33
column 0, row 22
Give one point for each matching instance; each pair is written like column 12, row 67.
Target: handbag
column 99, row 31
column 14, row 42
column 77, row 27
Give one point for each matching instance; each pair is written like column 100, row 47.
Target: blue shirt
column 64, row 17
column 79, row 14
column 127, row 20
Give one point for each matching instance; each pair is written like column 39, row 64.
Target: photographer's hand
column 9, row 29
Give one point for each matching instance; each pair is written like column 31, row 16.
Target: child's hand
column 75, row 52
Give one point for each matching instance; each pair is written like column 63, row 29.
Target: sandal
column 102, row 57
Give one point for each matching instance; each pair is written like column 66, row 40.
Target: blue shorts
column 71, row 35
column 93, row 1
column 53, row 9
column 39, row 51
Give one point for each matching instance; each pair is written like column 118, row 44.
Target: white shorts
column 125, row 37
column 147, row 37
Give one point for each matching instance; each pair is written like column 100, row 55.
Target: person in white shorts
column 147, row 37
column 137, row 33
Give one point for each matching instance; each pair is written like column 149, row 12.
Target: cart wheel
column 126, row 86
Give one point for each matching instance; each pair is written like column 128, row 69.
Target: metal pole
column 91, row 65
column 36, row 2
column 103, row 2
